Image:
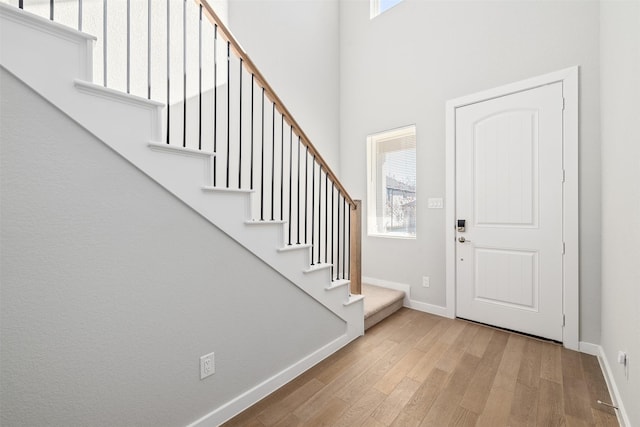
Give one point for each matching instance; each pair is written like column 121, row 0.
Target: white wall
column 401, row 67
column 620, row 108
column 295, row 44
column 112, row 288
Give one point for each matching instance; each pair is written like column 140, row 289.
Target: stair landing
column 380, row 303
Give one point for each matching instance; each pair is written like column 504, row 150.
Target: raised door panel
column 505, row 152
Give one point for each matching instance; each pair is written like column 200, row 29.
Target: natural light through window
column 380, row 6
column 391, row 183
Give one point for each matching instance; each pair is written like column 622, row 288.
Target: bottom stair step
column 380, row 303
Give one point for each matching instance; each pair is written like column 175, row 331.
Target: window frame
column 374, row 8
column 372, row 179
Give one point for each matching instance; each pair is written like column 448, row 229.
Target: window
column 380, row 6
column 391, row 183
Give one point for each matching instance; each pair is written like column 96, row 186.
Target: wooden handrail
column 251, row 67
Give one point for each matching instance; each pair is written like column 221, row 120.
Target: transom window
column 380, row 6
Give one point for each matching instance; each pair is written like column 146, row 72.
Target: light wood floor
column 415, row 369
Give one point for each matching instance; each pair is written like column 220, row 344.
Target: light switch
column 435, row 203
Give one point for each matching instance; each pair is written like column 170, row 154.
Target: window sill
column 393, row 236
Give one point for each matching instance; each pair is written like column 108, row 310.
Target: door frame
column 569, row 77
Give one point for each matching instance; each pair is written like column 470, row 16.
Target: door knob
column 461, row 239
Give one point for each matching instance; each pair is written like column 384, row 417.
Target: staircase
column 227, row 147
column 244, row 164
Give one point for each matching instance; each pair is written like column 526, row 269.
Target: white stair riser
column 50, row 54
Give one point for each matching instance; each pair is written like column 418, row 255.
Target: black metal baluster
column 348, row 253
column 168, row 70
column 79, row 14
column 251, row 153
column 313, row 202
column 281, row 167
column 273, row 157
column 200, row 77
column 240, row 133
column 228, row 159
column 104, row 40
column 128, row 46
column 298, row 198
column 21, row 4
column 215, row 102
column 306, row 188
column 338, row 239
column 51, row 10
column 290, row 176
column 319, row 210
column 262, row 165
column 326, row 214
column 184, row 73
column 333, row 212
column 148, row 48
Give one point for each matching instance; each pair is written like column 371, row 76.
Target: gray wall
column 401, row 67
column 112, row 289
column 620, row 93
column 295, row 44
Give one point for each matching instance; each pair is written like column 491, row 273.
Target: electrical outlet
column 425, row 282
column 207, row 365
column 622, row 358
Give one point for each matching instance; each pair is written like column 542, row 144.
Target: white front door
column 509, row 175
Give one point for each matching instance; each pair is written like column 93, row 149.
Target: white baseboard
column 438, row 310
column 254, row 395
column 598, row 351
column 589, row 348
column 408, row 302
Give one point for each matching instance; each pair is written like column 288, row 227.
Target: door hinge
column 564, row 320
column 564, row 175
column 564, row 248
column 564, row 103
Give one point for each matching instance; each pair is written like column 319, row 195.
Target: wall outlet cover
column 426, row 281
column 207, row 365
column 622, row 358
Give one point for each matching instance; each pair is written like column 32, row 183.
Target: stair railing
column 218, row 101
